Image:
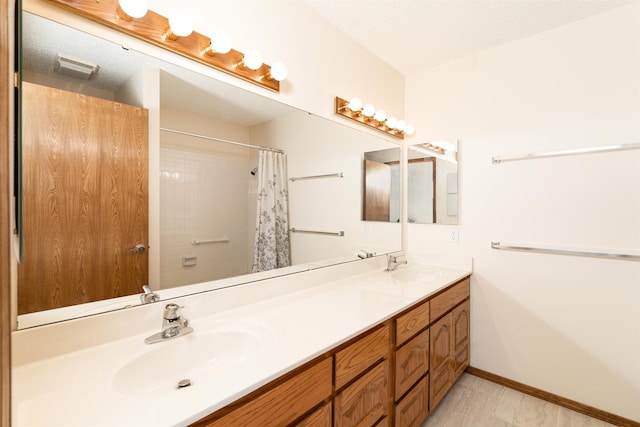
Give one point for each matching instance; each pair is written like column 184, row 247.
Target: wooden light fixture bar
column 153, row 27
column 341, row 108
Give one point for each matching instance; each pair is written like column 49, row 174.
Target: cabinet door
column 441, row 372
column 365, row 401
column 412, row 410
column 412, row 362
column 460, row 333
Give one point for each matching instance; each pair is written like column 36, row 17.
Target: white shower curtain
column 272, row 248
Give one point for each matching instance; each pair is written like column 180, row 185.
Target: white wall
column 567, row 325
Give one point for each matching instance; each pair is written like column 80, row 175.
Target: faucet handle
column 172, row 312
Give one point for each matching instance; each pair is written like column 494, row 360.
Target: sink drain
column 184, row 383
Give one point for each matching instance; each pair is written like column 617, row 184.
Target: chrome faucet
column 148, row 295
column 173, row 325
column 364, row 254
column 393, row 263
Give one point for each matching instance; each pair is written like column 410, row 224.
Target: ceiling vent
column 74, row 67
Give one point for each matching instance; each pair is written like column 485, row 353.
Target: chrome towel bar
column 329, row 233
column 589, row 150
column 626, row 257
column 331, row 175
column 222, row 239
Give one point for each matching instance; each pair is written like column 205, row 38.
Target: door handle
column 139, row 248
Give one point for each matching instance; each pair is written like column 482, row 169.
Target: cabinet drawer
column 448, row 299
column 411, row 323
column 365, row 401
column 412, row 362
column 355, row 359
column 282, row 404
column 319, row 418
column 412, row 410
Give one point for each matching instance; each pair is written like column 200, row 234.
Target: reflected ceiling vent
column 74, row 67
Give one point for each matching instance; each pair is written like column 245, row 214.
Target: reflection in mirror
column 432, row 186
column 381, row 199
column 196, row 196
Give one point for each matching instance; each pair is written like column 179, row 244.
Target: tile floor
column 475, row 402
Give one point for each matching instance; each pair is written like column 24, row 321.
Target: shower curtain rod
column 223, row 140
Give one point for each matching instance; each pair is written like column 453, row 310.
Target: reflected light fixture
column 377, row 119
column 176, row 34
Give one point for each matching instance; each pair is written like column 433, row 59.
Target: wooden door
column 85, row 199
column 377, row 191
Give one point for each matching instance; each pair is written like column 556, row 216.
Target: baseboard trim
column 554, row 398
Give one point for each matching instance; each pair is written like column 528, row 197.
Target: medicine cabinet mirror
column 432, row 184
column 201, row 193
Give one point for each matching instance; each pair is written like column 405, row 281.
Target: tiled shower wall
column 203, row 196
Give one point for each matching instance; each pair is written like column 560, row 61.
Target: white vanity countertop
column 91, row 387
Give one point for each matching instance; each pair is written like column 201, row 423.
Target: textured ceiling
column 412, row 34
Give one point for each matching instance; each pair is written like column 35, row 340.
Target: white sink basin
column 415, row 275
column 199, row 357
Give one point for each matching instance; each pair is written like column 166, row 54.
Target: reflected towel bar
column 590, row 150
column 222, row 239
column 331, row 175
column 626, row 257
column 329, row 233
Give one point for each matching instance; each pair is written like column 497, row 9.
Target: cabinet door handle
column 139, row 248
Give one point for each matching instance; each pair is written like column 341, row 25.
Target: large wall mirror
column 133, row 176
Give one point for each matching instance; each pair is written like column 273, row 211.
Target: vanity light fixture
column 176, row 35
column 180, row 25
column 377, row 119
column 132, row 9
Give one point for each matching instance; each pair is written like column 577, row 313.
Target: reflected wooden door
column 85, row 199
column 377, row 191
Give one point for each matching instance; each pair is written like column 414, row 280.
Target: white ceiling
column 409, row 34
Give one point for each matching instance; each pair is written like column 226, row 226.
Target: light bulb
column 180, row 25
column 369, row 110
column 401, row 125
column 409, row 130
column 220, row 42
column 134, row 8
column 380, row 116
column 279, row 71
column 252, row 59
column 355, row 104
column 391, row 122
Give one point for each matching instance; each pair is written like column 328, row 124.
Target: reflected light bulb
column 401, row 125
column 180, row 24
column 355, row 104
column 134, row 8
column 252, row 59
column 380, row 116
column 279, row 71
column 221, row 43
column 391, row 122
column 369, row 110
column 409, row 130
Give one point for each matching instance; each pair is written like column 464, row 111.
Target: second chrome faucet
column 173, row 325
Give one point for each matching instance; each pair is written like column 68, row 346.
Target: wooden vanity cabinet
column 392, row 375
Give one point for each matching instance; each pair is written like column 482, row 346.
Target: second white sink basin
column 415, row 274
column 197, row 357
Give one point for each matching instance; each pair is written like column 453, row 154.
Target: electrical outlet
column 453, row 235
